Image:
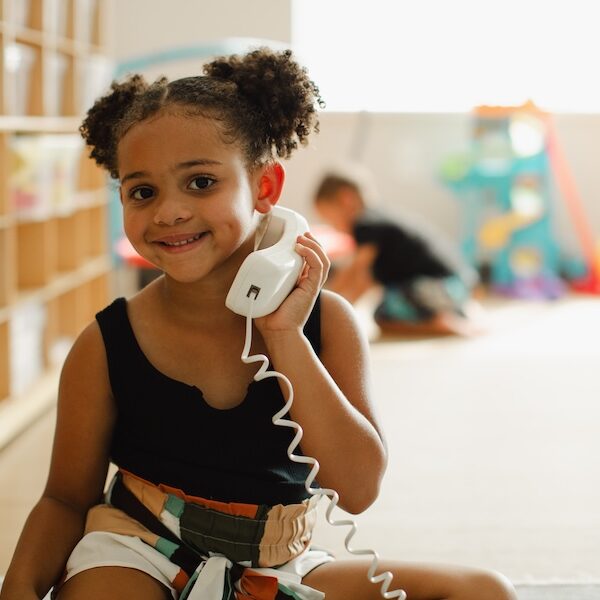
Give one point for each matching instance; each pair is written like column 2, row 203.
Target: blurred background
column 477, row 118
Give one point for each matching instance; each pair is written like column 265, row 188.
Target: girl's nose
column 172, row 211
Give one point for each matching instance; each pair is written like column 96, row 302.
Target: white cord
column 386, row 577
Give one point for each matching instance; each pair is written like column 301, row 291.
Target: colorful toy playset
column 508, row 184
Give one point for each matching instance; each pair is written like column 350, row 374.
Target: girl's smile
column 182, row 242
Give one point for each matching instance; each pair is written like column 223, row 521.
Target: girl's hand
column 294, row 311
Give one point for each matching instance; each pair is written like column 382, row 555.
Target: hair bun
column 279, row 89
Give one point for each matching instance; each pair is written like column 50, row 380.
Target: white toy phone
column 269, row 274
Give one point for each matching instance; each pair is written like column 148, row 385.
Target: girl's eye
column 142, row 193
column 201, row 183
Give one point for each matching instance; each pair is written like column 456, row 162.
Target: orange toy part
column 335, row 243
column 130, row 256
column 566, row 183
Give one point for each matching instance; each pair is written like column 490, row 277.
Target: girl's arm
column 77, row 472
column 331, row 394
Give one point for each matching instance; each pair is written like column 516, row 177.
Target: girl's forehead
column 173, row 124
column 166, row 136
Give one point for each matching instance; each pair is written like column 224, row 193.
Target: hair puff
column 275, row 85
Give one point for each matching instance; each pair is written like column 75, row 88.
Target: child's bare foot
column 445, row 324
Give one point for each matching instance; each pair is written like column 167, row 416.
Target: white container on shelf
column 55, row 17
column 44, row 180
column 95, row 75
column 66, row 151
column 19, row 12
column 26, row 343
column 54, row 83
column 87, row 11
column 31, row 179
column 18, row 63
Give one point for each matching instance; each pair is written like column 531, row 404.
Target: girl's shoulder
column 87, row 357
column 339, row 323
column 333, row 305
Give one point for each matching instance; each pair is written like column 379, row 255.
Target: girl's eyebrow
column 134, row 175
column 180, row 166
column 196, row 162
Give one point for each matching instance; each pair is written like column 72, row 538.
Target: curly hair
column 263, row 100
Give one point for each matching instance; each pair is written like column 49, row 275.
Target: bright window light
column 446, row 56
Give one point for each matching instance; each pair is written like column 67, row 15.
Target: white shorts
column 104, row 549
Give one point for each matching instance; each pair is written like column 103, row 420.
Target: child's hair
column 331, row 184
column 263, row 100
column 347, row 174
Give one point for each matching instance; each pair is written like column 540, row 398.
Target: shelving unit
column 55, row 270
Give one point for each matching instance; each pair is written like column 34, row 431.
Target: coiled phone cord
column 386, row 577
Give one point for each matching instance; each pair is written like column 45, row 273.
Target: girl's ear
column 270, row 185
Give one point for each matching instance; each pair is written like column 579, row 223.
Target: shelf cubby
column 97, row 231
column 55, row 266
column 73, row 235
column 8, row 283
column 4, row 361
column 37, row 248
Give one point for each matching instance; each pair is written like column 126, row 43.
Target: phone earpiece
column 269, row 274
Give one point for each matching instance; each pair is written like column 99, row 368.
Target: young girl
column 206, row 503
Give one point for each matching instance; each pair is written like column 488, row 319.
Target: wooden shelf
column 61, row 283
column 26, row 124
column 7, row 221
column 16, row 414
column 28, row 36
column 56, row 271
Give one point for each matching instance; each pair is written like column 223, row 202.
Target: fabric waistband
column 188, row 529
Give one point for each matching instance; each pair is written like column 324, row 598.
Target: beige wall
column 143, row 26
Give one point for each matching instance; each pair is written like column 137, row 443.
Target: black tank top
column 165, row 432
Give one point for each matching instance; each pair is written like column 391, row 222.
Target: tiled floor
column 494, row 448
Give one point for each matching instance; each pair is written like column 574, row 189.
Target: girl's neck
column 200, row 303
column 194, row 303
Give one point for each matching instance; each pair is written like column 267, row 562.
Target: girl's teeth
column 184, row 242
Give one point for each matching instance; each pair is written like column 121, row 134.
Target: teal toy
column 506, row 190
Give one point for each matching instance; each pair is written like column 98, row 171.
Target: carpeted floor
column 558, row 591
column 494, row 445
column 494, row 451
column 543, row 591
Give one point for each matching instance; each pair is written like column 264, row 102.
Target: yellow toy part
column 496, row 232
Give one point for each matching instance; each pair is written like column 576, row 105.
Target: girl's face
column 188, row 198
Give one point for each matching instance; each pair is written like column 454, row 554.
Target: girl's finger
column 314, row 275
column 309, row 235
column 311, row 242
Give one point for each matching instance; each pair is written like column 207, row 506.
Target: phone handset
column 269, row 274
